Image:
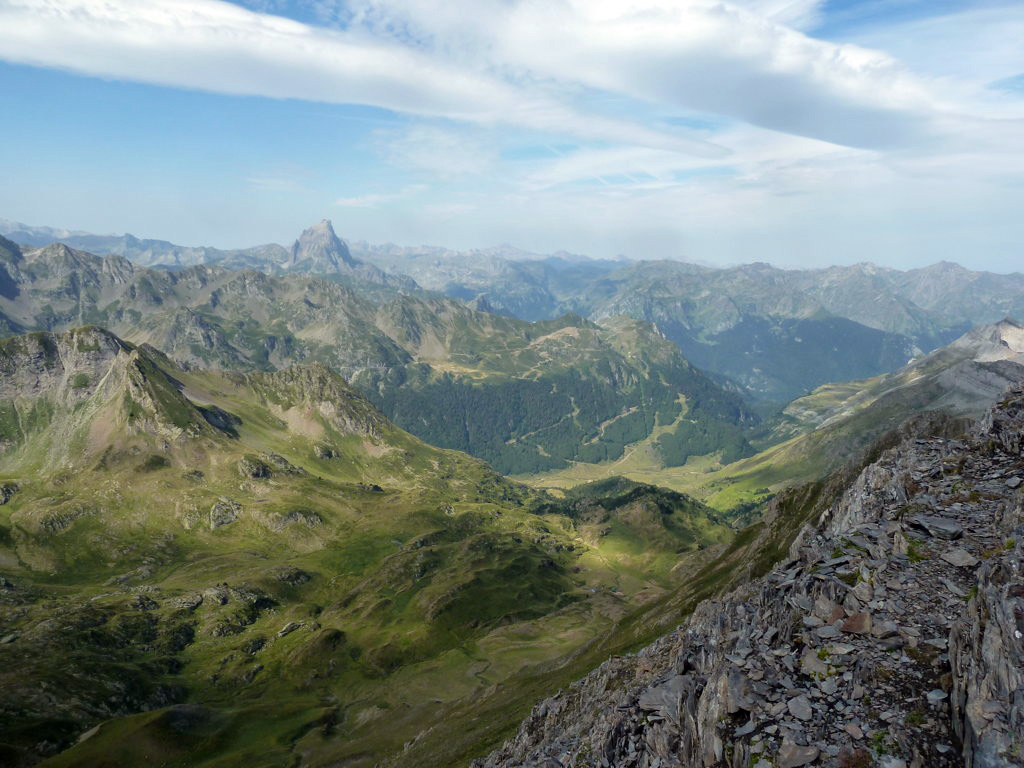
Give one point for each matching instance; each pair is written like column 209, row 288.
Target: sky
column 798, row 132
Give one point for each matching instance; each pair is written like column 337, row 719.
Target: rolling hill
column 251, row 567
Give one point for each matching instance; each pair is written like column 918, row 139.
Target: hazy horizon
column 496, row 247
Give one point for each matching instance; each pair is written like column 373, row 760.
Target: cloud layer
column 661, row 127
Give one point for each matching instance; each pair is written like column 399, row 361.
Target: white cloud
column 528, row 63
column 798, row 14
column 716, row 57
column 893, row 149
column 216, row 46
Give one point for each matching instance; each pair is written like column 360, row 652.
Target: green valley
column 266, row 567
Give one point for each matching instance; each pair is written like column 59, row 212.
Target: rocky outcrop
column 319, row 251
column 312, row 391
column 890, row 636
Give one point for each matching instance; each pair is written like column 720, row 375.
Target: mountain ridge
column 734, row 322
column 417, row 357
column 880, row 636
column 223, row 539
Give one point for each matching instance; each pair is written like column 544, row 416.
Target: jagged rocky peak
column 891, row 635
column 320, row 248
column 70, row 396
column 57, row 363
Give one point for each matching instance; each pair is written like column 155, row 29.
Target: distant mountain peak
column 320, row 246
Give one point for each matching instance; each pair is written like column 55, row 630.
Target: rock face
column 322, row 248
column 878, row 641
column 319, row 251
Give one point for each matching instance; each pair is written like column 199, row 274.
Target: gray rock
column 800, row 708
column 254, row 468
column 189, row 602
column 664, row 699
column 961, row 558
column 224, row 512
column 745, row 730
column 936, row 695
column 793, row 755
column 939, row 527
column 796, row 695
column 7, row 491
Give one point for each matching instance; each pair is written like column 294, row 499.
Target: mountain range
column 297, row 506
column 738, row 324
column 523, row 396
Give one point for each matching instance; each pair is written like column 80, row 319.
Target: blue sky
column 801, row 132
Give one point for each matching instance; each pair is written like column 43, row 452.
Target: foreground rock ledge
column 892, row 636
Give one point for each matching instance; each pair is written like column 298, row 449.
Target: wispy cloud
column 727, row 59
column 216, row 46
column 443, row 152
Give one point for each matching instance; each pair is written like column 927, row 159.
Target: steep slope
column 512, row 282
column 836, row 323
column 529, row 397
column 319, row 251
column 145, row 252
column 200, row 315
column 954, row 291
column 960, row 370
column 889, row 634
column 817, row 433
column 820, row 431
column 265, row 569
column 522, row 396
column 752, row 324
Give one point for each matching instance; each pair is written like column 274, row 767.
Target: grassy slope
column 814, row 435
column 414, row 598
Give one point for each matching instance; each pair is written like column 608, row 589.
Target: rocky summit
column 891, row 634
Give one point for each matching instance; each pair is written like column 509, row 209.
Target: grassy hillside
column 523, row 396
column 817, row 433
column 226, row 568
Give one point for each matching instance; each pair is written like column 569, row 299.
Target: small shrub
column 80, row 380
column 154, row 462
column 916, row 551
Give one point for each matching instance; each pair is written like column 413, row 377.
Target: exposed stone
column 939, row 527
column 800, row 708
column 858, row 624
column 961, row 558
column 224, row 512
column 7, row 491
column 793, row 755
column 890, row 693
column 252, row 467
